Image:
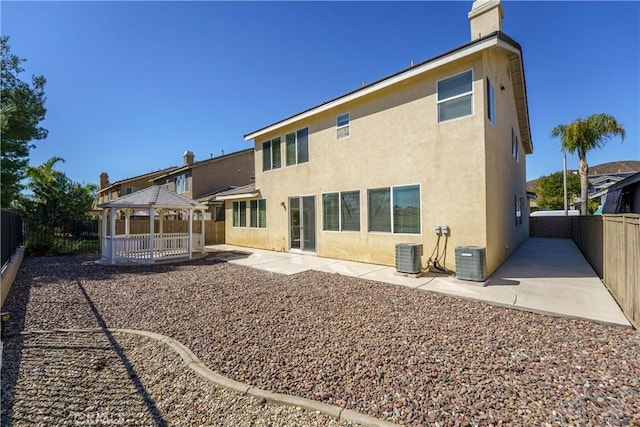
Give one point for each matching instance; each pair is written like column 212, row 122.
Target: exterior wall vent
column 408, row 258
column 471, row 263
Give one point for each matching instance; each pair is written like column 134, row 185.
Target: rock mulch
column 123, row 379
column 399, row 354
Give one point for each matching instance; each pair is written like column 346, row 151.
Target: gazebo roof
column 153, row 197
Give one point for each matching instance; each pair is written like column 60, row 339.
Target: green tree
column 583, row 135
column 55, row 200
column 550, row 190
column 21, row 111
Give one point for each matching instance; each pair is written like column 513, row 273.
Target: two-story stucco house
column 442, row 143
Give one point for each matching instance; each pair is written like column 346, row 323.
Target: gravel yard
column 399, row 354
column 81, row 380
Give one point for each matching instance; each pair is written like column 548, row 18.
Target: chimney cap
column 485, row 18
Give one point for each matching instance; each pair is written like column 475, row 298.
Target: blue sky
column 132, row 85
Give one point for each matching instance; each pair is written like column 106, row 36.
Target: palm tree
column 583, row 135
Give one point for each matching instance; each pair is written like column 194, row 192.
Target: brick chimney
column 104, row 180
column 485, row 18
column 187, row 158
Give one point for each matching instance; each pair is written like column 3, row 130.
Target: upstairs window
column 455, row 96
column 271, row 154
column 297, row 147
column 130, row 190
column 342, row 126
column 182, row 185
column 491, row 103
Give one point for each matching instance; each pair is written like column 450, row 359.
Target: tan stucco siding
column 506, row 177
column 234, row 170
column 395, row 139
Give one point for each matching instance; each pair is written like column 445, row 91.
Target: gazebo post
column 190, row 230
column 112, row 234
column 202, row 233
column 152, row 214
column 127, row 218
column 103, row 234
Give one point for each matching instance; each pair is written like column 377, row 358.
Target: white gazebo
column 156, row 245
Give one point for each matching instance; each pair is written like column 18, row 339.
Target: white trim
column 238, row 196
column 416, row 71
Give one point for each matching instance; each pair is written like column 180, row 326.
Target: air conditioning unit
column 408, row 258
column 471, row 263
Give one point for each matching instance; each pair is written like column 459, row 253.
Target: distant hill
column 609, row 168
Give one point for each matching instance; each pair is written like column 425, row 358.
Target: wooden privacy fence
column 213, row 230
column 622, row 262
column 589, row 237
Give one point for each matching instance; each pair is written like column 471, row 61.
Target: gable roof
column 155, row 196
column 133, row 178
column 497, row 38
column 184, row 168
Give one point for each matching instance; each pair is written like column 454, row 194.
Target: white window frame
column 519, row 206
column 515, row 145
column 340, row 228
column 182, row 185
column 491, row 102
column 346, row 129
column 438, row 101
column 258, row 223
column 295, row 134
column 239, row 208
column 391, row 203
column 271, row 150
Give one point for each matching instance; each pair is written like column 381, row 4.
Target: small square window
column 342, row 125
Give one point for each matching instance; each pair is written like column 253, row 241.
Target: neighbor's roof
column 184, row 168
column 155, row 196
column 121, row 181
column 245, row 192
column 497, row 38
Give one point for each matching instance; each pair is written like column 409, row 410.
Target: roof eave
column 251, row 195
column 491, row 40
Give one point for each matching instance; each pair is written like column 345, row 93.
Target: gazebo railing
column 137, row 246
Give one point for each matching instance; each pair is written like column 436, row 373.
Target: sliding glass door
column 302, row 223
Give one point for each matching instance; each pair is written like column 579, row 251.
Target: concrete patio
column 543, row 275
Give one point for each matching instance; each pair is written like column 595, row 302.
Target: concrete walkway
column 544, row 275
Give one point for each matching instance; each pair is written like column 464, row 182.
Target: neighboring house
column 203, row 179
column 621, row 197
column 111, row 191
column 442, row 143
